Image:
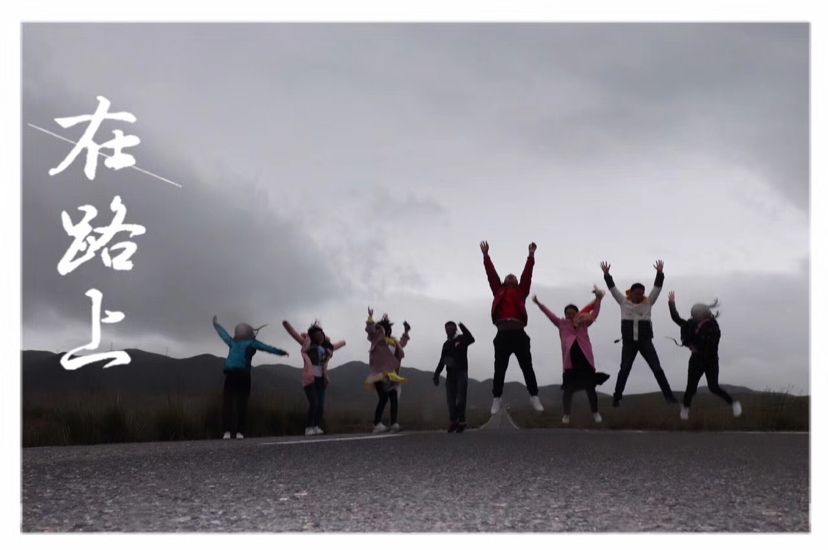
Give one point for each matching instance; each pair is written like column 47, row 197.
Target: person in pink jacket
column 317, row 350
column 578, row 361
column 384, row 359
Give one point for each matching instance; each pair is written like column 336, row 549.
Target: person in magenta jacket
column 317, row 350
column 578, row 361
column 384, row 359
column 510, row 316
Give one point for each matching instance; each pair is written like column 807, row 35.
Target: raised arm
column 674, row 314
column 526, row 277
column 269, row 349
column 405, row 337
column 659, row 281
column 371, row 327
column 552, row 317
column 605, row 267
column 221, row 332
column 337, row 345
column 292, row 331
column 491, row 272
column 466, row 334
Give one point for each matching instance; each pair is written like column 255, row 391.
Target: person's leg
column 567, row 401
column 523, row 352
column 319, row 382
column 243, row 398
column 227, row 403
column 629, row 349
column 592, row 395
column 392, row 396
column 711, row 372
column 462, row 387
column 383, row 399
column 648, row 352
column 502, row 351
column 310, row 393
column 451, row 395
column 694, row 374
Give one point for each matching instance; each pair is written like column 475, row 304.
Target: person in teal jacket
column 237, row 367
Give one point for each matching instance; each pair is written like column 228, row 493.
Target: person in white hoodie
column 637, row 331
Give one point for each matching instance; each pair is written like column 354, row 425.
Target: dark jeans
column 591, row 395
column 316, row 401
column 236, row 395
column 710, row 369
column 457, row 381
column 629, row 350
column 384, row 397
column 506, row 343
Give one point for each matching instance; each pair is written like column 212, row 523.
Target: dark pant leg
column 567, row 401
column 502, row 350
column 451, row 394
column 593, row 399
column 694, row 374
column 648, row 352
column 243, row 397
column 392, row 396
column 313, row 403
column 383, row 399
column 319, row 382
column 711, row 372
column 629, row 349
column 462, row 387
column 523, row 352
column 228, row 399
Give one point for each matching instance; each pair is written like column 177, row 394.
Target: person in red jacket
column 510, row 317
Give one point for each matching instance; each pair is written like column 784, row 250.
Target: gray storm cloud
column 331, row 167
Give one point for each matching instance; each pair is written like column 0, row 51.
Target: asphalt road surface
column 481, row 480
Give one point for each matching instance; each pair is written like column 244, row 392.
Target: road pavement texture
column 493, row 479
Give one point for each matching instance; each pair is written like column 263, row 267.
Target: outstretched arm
column 491, row 272
column 405, row 337
column 605, row 267
column 270, row 349
column 292, row 331
column 221, row 332
column 526, row 277
column 548, row 312
column 337, row 345
column 659, row 281
column 674, row 314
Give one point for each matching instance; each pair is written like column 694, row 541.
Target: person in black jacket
column 701, row 334
column 454, row 357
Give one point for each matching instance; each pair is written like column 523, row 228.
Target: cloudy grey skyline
column 331, row 167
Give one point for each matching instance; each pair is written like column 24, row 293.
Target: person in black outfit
column 701, row 334
column 454, row 357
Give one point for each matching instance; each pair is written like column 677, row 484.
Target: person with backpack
column 237, row 368
column 454, row 357
column 637, row 331
column 317, row 350
column 701, row 334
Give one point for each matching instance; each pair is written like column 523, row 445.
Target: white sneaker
column 318, row 431
column 684, row 413
column 227, row 435
column 239, row 435
column 737, row 409
column 536, row 404
column 597, row 418
column 310, row 431
column 380, row 428
column 495, row 405
column 565, row 419
column 395, row 427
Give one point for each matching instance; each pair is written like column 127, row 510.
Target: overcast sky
column 326, row 168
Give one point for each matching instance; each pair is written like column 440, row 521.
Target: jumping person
column 454, row 357
column 637, row 331
column 701, row 334
column 510, row 317
column 317, row 350
column 578, row 360
column 237, row 368
column 384, row 360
